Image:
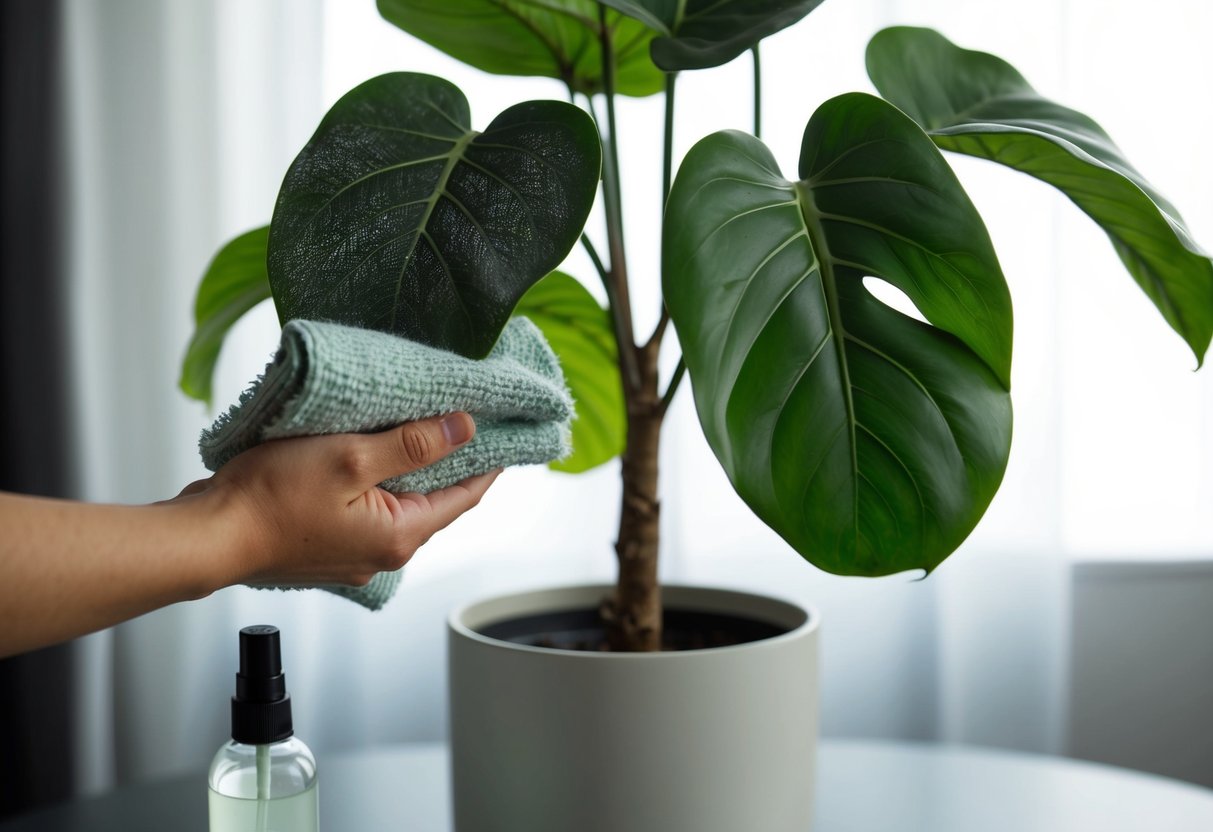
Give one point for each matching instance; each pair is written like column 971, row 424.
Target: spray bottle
column 264, row 780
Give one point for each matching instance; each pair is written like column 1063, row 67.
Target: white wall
column 1142, row 689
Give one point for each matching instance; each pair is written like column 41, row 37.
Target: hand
column 292, row 511
column 309, row 511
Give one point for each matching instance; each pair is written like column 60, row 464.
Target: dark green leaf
column 580, row 333
column 235, row 282
column 552, row 38
column 870, row 441
column 697, row 34
column 975, row 103
column 398, row 216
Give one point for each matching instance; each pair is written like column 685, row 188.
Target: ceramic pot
column 716, row 739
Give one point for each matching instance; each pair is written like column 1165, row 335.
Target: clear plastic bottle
column 265, row 779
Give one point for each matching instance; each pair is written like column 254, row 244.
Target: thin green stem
column 668, row 168
column 612, row 171
column 675, row 380
column 666, row 181
column 604, row 273
column 593, row 111
column 757, row 93
column 588, row 245
column 621, row 307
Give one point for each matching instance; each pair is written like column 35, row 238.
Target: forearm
column 72, row 568
column 293, row 512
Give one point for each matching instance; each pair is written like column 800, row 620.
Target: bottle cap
column 261, row 708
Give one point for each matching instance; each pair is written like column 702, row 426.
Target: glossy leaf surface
column 870, row 441
column 696, row 34
column 552, row 38
column 975, row 103
column 398, row 216
column 235, row 281
column 580, row 333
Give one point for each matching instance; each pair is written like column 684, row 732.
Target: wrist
column 229, row 538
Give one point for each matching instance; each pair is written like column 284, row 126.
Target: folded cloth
column 328, row 378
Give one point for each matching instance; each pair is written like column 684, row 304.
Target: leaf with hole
column 234, row 282
column 552, row 38
column 697, row 34
column 870, row 441
column 975, row 103
column 580, row 333
column 398, row 216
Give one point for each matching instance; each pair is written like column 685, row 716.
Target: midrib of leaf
column 439, row 188
column 368, row 176
column 1008, row 133
column 1071, row 139
column 554, row 8
column 529, row 25
column 811, row 216
column 626, row 49
column 648, row 18
column 1146, row 269
column 970, row 112
column 680, row 12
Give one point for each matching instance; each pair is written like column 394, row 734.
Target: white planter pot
column 711, row 740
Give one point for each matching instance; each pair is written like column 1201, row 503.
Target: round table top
column 861, row 787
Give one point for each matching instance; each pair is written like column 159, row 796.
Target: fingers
column 448, row 503
column 313, row 512
column 380, row 456
column 452, row 501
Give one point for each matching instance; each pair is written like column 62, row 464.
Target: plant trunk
column 633, row 614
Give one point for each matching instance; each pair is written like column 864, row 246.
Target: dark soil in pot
column 581, row 629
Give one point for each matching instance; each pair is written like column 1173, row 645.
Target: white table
column 861, row 787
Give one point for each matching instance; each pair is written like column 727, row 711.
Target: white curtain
column 184, row 117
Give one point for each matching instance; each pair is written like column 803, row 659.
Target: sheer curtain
column 185, row 116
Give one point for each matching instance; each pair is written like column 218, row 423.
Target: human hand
column 292, row 511
column 309, row 511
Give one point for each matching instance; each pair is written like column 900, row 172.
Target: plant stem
column 667, row 179
column 675, row 380
column 632, row 614
column 588, row 245
column 621, row 306
column 667, row 169
column 659, row 331
column 757, row 93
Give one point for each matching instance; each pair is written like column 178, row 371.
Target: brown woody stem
column 633, row 613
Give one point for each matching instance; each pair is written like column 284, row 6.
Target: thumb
column 411, row 446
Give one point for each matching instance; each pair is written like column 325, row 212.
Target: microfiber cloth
column 328, row 378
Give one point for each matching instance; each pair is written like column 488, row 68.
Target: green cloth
column 328, row 378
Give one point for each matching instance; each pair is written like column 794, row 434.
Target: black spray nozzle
column 260, row 678
column 261, row 708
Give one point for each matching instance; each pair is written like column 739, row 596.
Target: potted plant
column 871, row 441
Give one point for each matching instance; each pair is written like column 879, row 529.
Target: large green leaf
column 697, row 34
column 975, row 103
column 577, row 328
column 870, row 441
column 398, row 216
column 235, row 282
column 580, row 333
column 552, row 38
